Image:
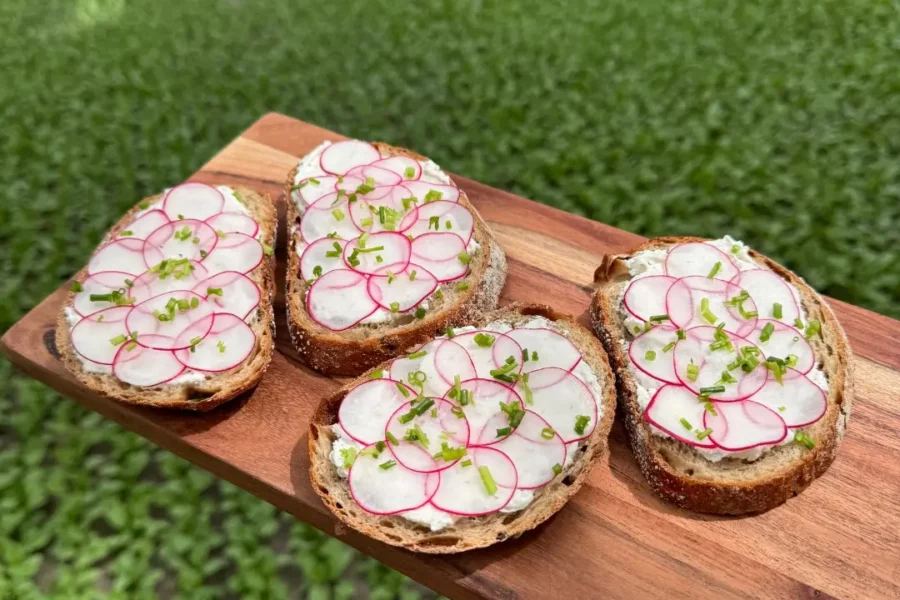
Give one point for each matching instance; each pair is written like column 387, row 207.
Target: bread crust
column 682, row 476
column 472, row 532
column 218, row 388
column 350, row 352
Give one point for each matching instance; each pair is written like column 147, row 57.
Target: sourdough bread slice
column 467, row 533
column 677, row 471
column 216, row 388
column 354, row 350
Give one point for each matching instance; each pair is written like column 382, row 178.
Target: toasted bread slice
column 467, row 533
column 677, row 471
column 216, row 388
column 354, row 350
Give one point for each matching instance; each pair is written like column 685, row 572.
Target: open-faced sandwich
column 473, row 438
column 174, row 309
column 734, row 375
column 385, row 252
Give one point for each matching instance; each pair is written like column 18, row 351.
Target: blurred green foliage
column 775, row 121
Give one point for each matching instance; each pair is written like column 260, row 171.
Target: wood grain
column 615, row 539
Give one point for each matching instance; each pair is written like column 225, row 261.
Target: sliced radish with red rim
column 491, row 357
column 646, row 297
column 339, row 300
column 441, row 362
column 98, row 336
column 783, row 341
column 340, row 157
column 403, row 290
column 767, row 288
column 535, row 449
column 463, row 490
column 483, row 402
column 313, row 188
column 796, row 399
column 143, row 320
column 155, row 284
column 103, row 283
column 711, row 364
column 647, row 353
column 234, row 222
column 146, row 367
column 441, row 254
column 225, row 346
column 329, row 215
column 388, row 491
column 317, row 255
column 235, row 252
column 564, row 403
column 365, row 410
column 684, row 303
column 124, row 254
column 400, row 165
column 188, row 238
column 444, row 216
column 744, row 425
column 383, row 251
column 145, row 224
column 422, row 190
column 230, row 292
column 553, row 349
column 439, row 425
column 698, row 258
column 675, row 410
column 193, row 201
column 376, row 175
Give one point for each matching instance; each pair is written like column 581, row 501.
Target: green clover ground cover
column 775, row 121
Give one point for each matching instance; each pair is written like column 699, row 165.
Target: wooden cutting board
column 615, row 538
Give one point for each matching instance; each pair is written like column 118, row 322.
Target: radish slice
column 124, row 254
column 440, row 426
column 485, row 402
column 646, row 297
column 797, row 400
column 156, row 285
column 389, row 491
column 783, row 341
column 349, row 183
column 699, row 258
column 532, row 453
column 222, row 347
column 420, row 191
column 377, row 175
column 669, row 406
column 489, row 358
column 329, row 215
column 106, row 282
column 239, row 294
column 193, row 201
column 235, row 252
column 393, row 249
column 233, row 222
column 146, row 367
column 647, row 354
column 400, row 290
column 313, row 188
column 367, row 213
column 450, row 217
column 93, row 337
column 712, row 364
column 339, row 300
column 144, row 323
column 561, row 398
column 463, row 491
column 145, row 224
column 744, row 425
column 685, row 298
column 440, row 254
column 176, row 240
column 554, row 349
column 365, row 410
column 399, row 165
column 442, row 362
column 340, row 157
column 767, row 288
column 316, row 255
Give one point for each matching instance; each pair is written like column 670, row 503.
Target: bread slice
column 217, row 388
column 680, row 474
column 361, row 347
column 469, row 532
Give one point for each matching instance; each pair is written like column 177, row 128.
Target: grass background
column 775, row 121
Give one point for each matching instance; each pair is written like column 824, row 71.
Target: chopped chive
column 76, row 287
column 317, row 271
column 420, row 313
column 503, row 431
column 484, row 340
column 650, row 355
column 713, row 389
column 679, row 333
column 466, row 463
column 373, row 249
column 338, row 214
column 395, row 306
column 534, row 355
column 702, row 435
column 412, row 275
column 812, row 328
column 313, row 181
column 391, row 438
column 547, row 433
column 203, row 254
column 439, row 295
column 766, row 332
column 686, row 424
column 409, row 172
column 119, row 339
column 782, row 408
column 349, row 456
column 668, row 346
column 432, row 196
column 464, row 258
column 403, row 389
column 126, row 232
column 436, row 221
column 388, row 464
column 735, row 249
column 130, row 346
column 378, row 374
column 462, row 286
column 791, row 360
column 776, row 310
column 143, row 205
column 557, row 469
column 659, row 318
column 705, row 312
column 486, row 478
column 448, row 224
column 213, row 291
column 268, row 250
column 581, row 422
column 221, row 346
column 714, row 270
column 449, row 332
column 803, row 439
column 418, row 354
column 219, row 233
